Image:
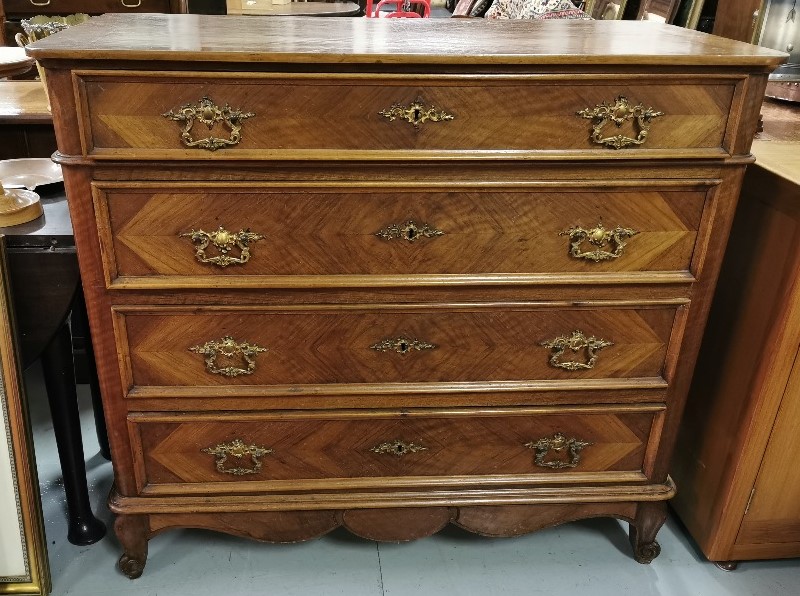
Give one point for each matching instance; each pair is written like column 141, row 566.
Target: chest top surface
column 208, row 38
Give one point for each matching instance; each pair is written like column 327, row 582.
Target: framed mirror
column 606, row 10
column 23, row 552
column 688, row 13
column 658, row 10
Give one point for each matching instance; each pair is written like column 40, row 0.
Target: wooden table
column 25, row 121
column 294, row 9
column 14, row 61
column 46, row 288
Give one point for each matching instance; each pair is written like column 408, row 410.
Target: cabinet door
column 771, row 526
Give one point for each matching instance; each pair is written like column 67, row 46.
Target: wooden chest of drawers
column 396, row 275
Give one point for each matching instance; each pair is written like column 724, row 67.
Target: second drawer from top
column 171, row 235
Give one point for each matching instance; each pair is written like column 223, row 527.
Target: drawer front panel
column 65, row 7
column 326, row 116
column 223, row 449
column 315, row 231
column 352, row 345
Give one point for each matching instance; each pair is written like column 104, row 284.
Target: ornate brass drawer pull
column 409, row 231
column 575, row 342
column 416, row 113
column 401, row 345
column 238, row 450
column 561, row 445
column 224, row 241
column 398, row 448
column 126, row 5
column 228, row 348
column 619, row 112
column 208, row 113
column 599, row 237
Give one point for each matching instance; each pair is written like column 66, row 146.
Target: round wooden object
column 14, row 61
column 18, row 206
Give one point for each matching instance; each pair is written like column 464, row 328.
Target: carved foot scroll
column 133, row 533
column 650, row 516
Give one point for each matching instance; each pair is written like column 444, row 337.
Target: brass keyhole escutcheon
column 401, row 345
column 398, row 448
column 409, row 231
column 416, row 113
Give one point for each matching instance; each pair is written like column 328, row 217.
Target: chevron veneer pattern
column 332, row 231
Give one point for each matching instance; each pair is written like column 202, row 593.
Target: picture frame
column 606, row 10
column 24, row 567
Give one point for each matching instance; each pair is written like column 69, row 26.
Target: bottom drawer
column 346, row 449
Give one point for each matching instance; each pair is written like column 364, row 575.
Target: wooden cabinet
column 386, row 285
column 738, row 446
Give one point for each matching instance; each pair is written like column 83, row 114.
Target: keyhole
column 400, row 449
column 404, row 347
column 411, row 233
column 417, row 114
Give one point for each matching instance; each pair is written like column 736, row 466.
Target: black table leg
column 80, row 320
column 59, row 377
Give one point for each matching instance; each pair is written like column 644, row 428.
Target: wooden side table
column 45, row 282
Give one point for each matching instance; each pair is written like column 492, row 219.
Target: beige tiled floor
column 589, row 558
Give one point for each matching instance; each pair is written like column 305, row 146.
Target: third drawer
column 225, row 349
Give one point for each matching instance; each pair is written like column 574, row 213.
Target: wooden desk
column 25, row 122
column 293, row 9
column 738, row 444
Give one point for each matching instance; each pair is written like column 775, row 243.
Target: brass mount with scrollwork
column 576, row 342
column 398, row 448
column 238, row 450
column 599, row 237
column 229, row 348
column 560, row 444
column 207, row 112
column 409, row 231
column 224, row 241
column 401, row 345
column 618, row 113
column 416, row 113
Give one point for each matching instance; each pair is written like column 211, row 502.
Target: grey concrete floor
column 588, row 558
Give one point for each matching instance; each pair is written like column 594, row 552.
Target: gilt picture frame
column 606, row 10
column 24, row 568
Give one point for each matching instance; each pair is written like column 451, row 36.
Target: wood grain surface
column 204, row 38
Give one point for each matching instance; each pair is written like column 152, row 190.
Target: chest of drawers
column 395, row 275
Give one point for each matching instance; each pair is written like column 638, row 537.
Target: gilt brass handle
column 208, row 113
column 416, row 113
column 229, row 349
column 223, row 241
column 238, row 450
column 599, row 237
column 577, row 342
column 409, row 231
column 126, row 5
column 619, row 112
column 398, row 448
column 45, row 3
column 561, row 446
column 401, row 345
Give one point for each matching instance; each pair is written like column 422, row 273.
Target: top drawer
column 349, row 116
column 34, row 7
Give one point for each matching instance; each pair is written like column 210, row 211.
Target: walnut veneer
column 456, row 272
